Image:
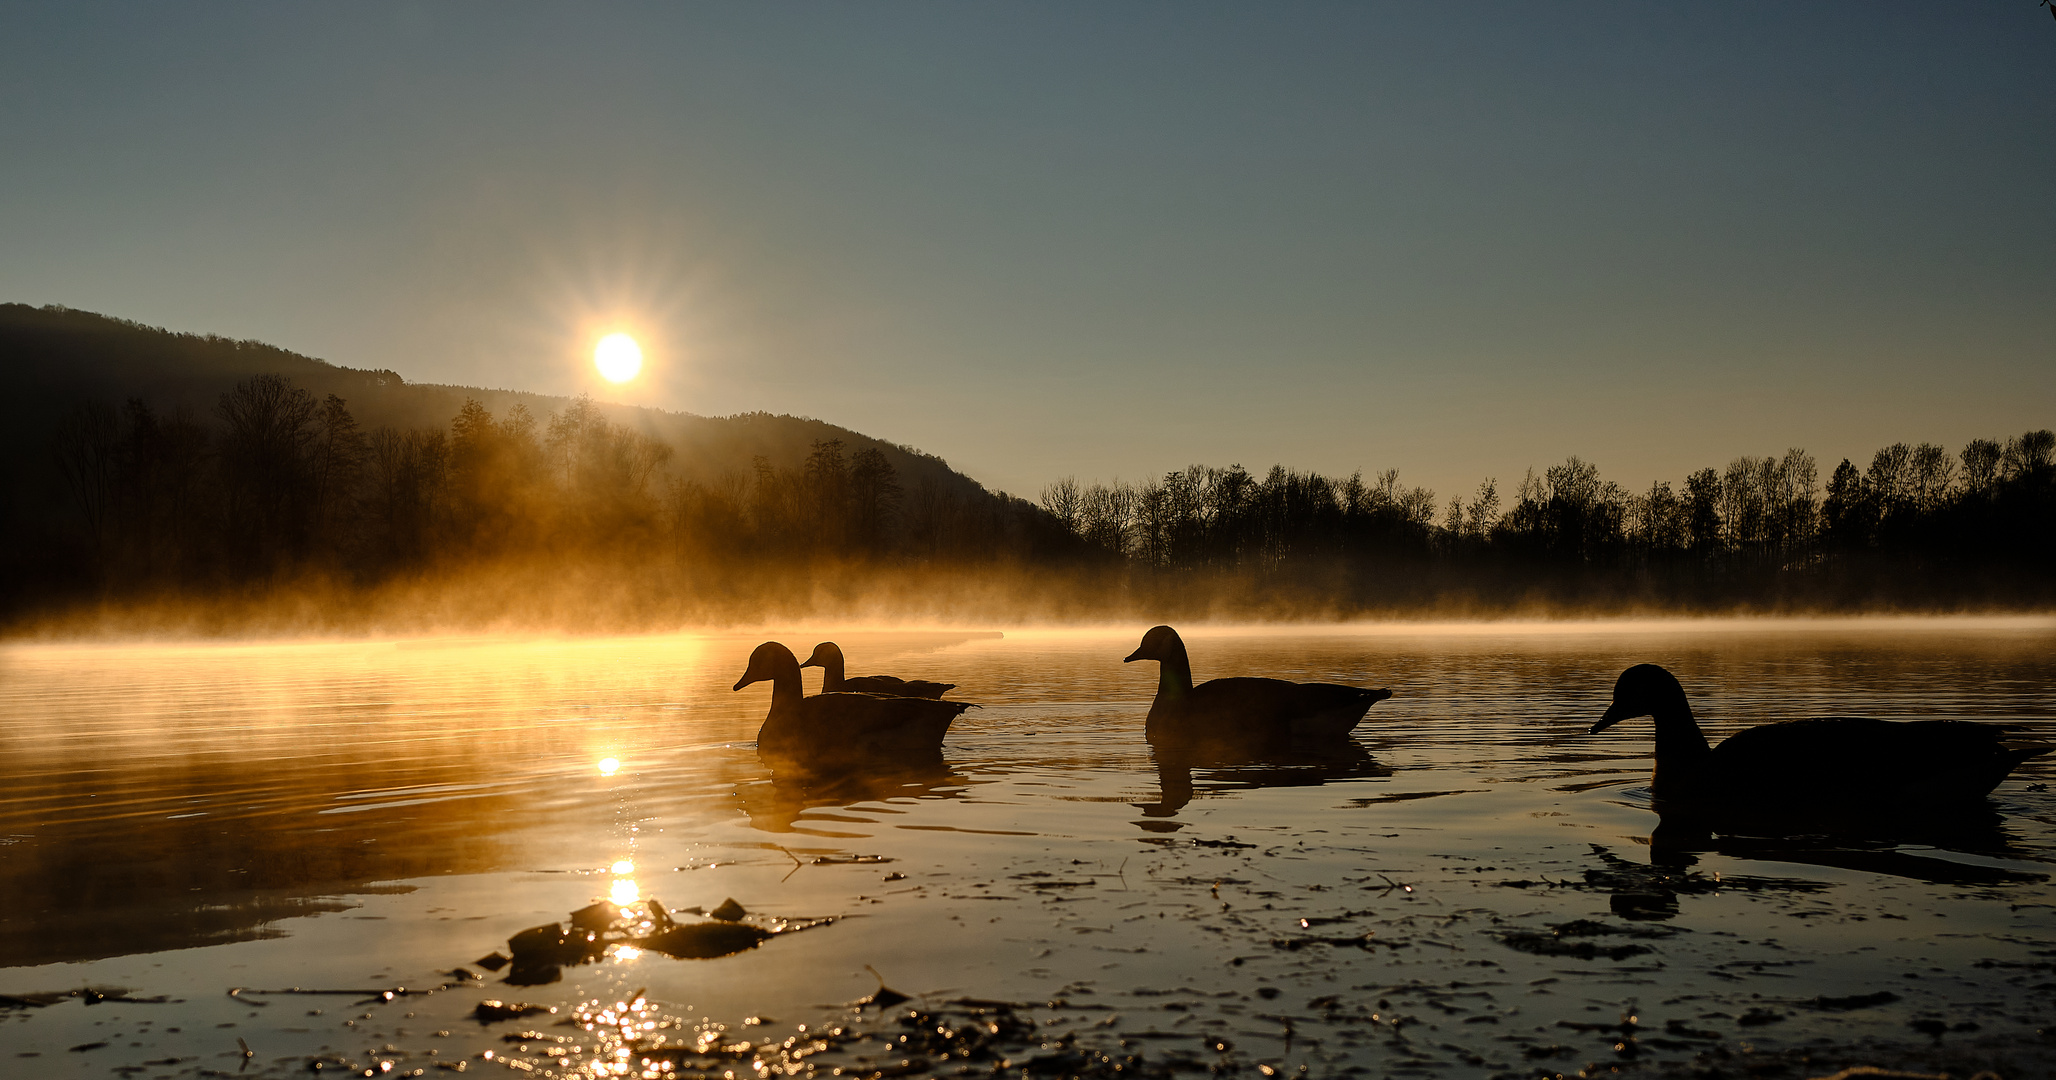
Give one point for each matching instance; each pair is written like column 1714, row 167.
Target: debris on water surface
column 89, row 995
column 1565, row 939
column 1854, row 1001
column 492, row 1011
column 1364, row 941
column 1635, row 905
column 962, row 1036
column 884, row 997
column 595, row 917
column 540, row 952
column 704, row 941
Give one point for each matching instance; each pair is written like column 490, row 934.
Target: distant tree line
column 1228, row 519
column 277, row 484
column 275, row 487
column 1919, row 525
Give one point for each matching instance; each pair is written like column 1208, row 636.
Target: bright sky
column 1454, row 239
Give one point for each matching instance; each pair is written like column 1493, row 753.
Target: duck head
column 1161, row 643
column 1642, row 690
column 769, row 661
column 826, row 654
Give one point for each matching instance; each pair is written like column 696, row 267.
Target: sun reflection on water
column 624, row 890
column 609, row 766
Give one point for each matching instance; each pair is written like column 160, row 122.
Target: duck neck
column 1681, row 749
column 1174, row 676
column 832, row 673
column 786, row 688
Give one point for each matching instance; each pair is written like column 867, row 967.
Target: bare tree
column 1061, row 499
column 87, row 440
column 1981, row 466
column 874, row 496
column 1931, row 477
column 339, row 452
column 1484, row 511
column 266, row 466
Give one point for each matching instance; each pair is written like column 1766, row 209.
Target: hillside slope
column 53, row 357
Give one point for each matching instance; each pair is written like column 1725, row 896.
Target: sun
column 618, row 357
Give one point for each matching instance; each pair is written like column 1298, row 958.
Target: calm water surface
column 180, row 821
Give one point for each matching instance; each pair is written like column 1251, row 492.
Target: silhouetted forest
column 153, row 467
column 161, row 483
column 1920, row 527
column 277, row 485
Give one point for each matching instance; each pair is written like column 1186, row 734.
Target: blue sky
column 1455, row 240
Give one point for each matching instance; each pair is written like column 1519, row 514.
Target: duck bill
column 1615, row 713
column 1134, row 656
column 744, row 681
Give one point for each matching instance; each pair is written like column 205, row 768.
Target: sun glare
column 618, row 357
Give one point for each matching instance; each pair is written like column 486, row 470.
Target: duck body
column 838, row 730
column 828, row 657
column 1842, row 762
column 1243, row 711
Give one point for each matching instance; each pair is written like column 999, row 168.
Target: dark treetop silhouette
column 830, row 732
column 1835, row 763
column 1921, row 527
column 828, row 657
column 1243, row 711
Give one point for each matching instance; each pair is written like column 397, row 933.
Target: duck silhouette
column 1243, row 712
column 1839, row 762
column 828, row 657
column 831, row 731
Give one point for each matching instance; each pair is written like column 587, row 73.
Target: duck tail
column 2019, row 752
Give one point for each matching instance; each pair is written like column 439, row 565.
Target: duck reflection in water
column 1679, row 841
column 1845, row 792
column 780, row 803
column 1180, row 769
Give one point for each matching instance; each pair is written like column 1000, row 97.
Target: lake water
column 1473, row 893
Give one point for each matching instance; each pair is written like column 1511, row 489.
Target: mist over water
column 189, row 818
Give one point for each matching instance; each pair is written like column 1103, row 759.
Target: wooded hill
column 167, row 467
column 55, row 357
